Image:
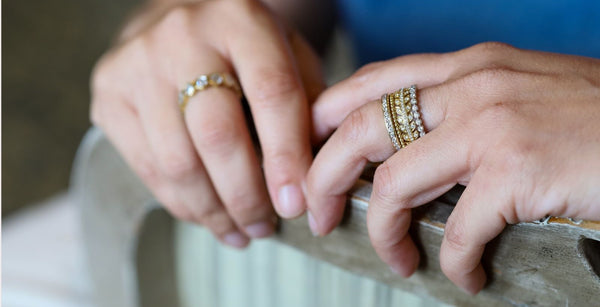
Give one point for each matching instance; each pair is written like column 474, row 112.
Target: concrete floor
column 48, row 51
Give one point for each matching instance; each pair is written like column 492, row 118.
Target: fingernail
column 236, row 239
column 312, row 224
column 400, row 271
column 260, row 230
column 291, row 201
column 469, row 291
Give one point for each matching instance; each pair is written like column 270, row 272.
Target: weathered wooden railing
column 129, row 242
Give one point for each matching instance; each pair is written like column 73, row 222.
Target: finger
column 188, row 183
column 475, row 220
column 371, row 81
column 216, row 122
column 309, row 66
column 413, row 176
column 362, row 137
column 275, row 93
column 425, row 169
column 122, row 127
column 388, row 229
column 422, row 69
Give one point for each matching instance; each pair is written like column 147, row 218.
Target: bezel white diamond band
column 203, row 82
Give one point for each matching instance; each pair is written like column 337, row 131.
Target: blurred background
column 49, row 49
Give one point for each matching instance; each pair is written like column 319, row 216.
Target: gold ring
column 402, row 117
column 203, row 82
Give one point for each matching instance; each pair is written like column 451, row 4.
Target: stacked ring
column 402, row 118
column 206, row 81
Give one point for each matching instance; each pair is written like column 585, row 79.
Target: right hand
column 202, row 164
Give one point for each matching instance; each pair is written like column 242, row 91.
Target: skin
column 519, row 128
column 202, row 165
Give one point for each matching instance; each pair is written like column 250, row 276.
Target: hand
column 202, row 164
column 519, row 128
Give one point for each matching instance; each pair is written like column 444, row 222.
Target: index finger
column 372, row 80
column 361, row 138
column 271, row 82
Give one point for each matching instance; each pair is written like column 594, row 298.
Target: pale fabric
column 42, row 257
column 270, row 274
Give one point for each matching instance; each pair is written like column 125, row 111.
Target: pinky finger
column 123, row 128
column 476, row 220
column 121, row 125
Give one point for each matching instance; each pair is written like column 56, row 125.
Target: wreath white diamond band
column 402, row 118
column 207, row 81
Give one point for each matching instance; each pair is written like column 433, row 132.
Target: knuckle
column 355, row 126
column 219, row 222
column 256, row 9
column 242, row 203
column 381, row 240
column 491, row 52
column 172, row 203
column 179, row 167
column 280, row 160
column 178, row 17
column 102, row 73
column 382, row 244
column 448, row 266
column 97, row 115
column 145, row 170
column 363, row 73
column 490, row 83
column 177, row 24
column 217, row 132
column 494, row 46
column 273, row 88
column 490, row 78
column 101, row 78
column 454, row 236
column 385, row 189
column 209, row 214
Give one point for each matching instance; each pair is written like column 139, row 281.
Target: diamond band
column 206, row 81
column 388, row 121
column 402, row 117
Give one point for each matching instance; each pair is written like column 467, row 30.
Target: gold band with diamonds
column 398, row 117
column 387, row 116
column 403, row 119
column 203, row 82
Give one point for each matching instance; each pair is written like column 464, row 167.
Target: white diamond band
column 206, row 81
column 388, row 121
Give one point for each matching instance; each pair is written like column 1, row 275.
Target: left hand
column 519, row 128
